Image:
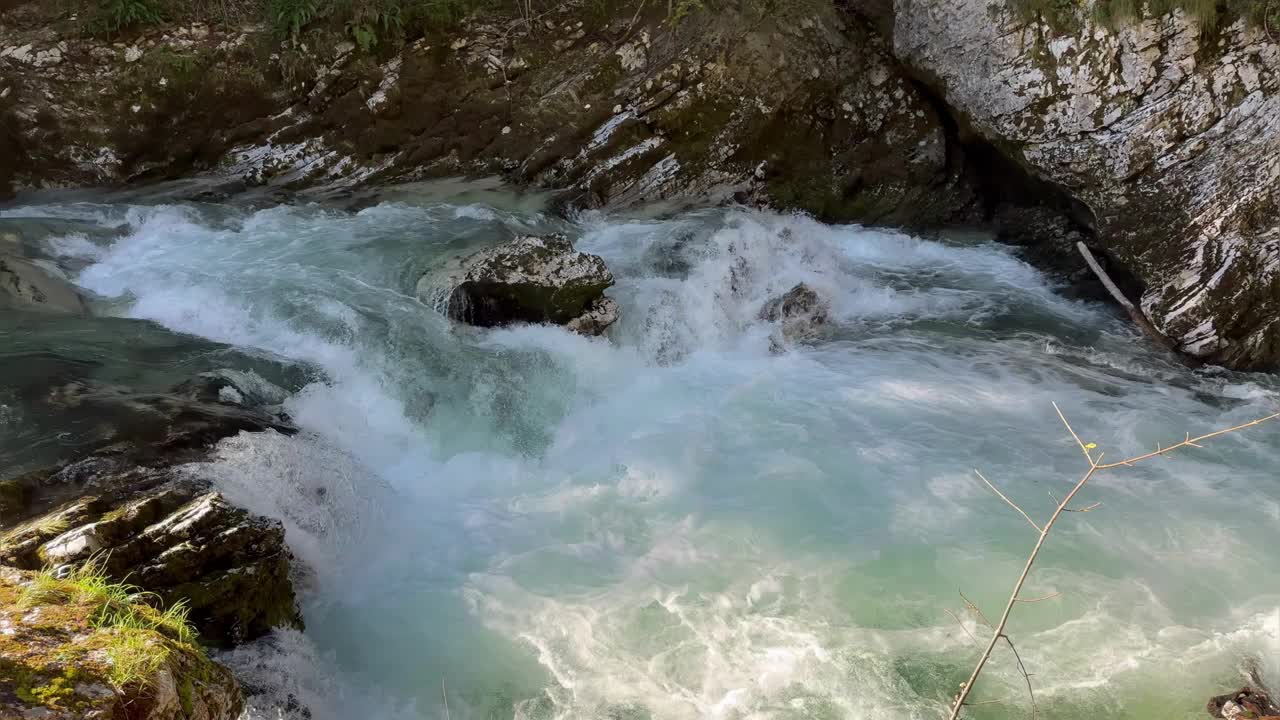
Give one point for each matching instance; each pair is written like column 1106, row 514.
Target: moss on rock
column 78, row 646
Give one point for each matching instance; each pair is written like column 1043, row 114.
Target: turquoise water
column 674, row 521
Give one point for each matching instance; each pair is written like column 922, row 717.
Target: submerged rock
column 534, row 279
column 800, row 312
column 1247, row 703
column 65, row 652
column 26, row 285
column 596, row 317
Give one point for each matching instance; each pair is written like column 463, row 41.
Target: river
column 676, row 520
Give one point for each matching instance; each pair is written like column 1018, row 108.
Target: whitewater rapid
column 677, row 521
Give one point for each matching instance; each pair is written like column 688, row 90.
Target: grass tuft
column 47, row 526
column 114, row 16
column 112, row 606
column 135, row 656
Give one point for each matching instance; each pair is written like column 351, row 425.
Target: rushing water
column 674, row 521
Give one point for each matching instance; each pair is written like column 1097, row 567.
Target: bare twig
column 977, row 612
column 1190, row 441
column 998, row 631
column 626, row 35
column 1035, row 710
column 961, row 624
column 1040, row 599
column 1135, row 312
column 1012, row 504
column 1079, row 510
column 1079, row 442
column 445, row 694
column 1095, row 464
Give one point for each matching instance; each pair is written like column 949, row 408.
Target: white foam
column 675, row 521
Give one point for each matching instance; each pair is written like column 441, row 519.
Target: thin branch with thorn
column 1095, row 465
column 961, row 624
column 977, row 612
column 1085, row 509
column 1035, row 709
column 1011, row 503
column 1040, row 599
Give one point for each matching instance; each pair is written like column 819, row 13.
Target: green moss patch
column 81, row 643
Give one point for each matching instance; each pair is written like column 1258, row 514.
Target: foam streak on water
column 677, row 522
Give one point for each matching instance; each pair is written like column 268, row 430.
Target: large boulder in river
column 800, row 312
column 172, row 535
column 534, row 279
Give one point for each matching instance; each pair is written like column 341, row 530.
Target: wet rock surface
column 619, row 108
column 801, row 313
column 534, row 279
column 26, row 285
column 139, row 506
column 1247, row 703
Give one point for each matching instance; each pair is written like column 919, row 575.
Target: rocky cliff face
column 804, row 109
column 1158, row 138
column 1169, row 134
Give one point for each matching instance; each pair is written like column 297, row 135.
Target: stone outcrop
column 60, row 660
column 137, row 507
column 800, row 312
column 532, row 279
column 27, row 286
column 803, row 109
column 1156, row 137
column 1166, row 133
column 596, row 317
column 174, row 537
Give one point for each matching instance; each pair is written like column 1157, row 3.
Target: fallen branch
column 1095, row 465
column 1135, row 313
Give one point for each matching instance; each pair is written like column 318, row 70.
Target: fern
column 289, row 17
column 116, row 15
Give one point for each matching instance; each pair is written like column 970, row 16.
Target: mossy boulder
column 61, row 657
column 533, row 279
